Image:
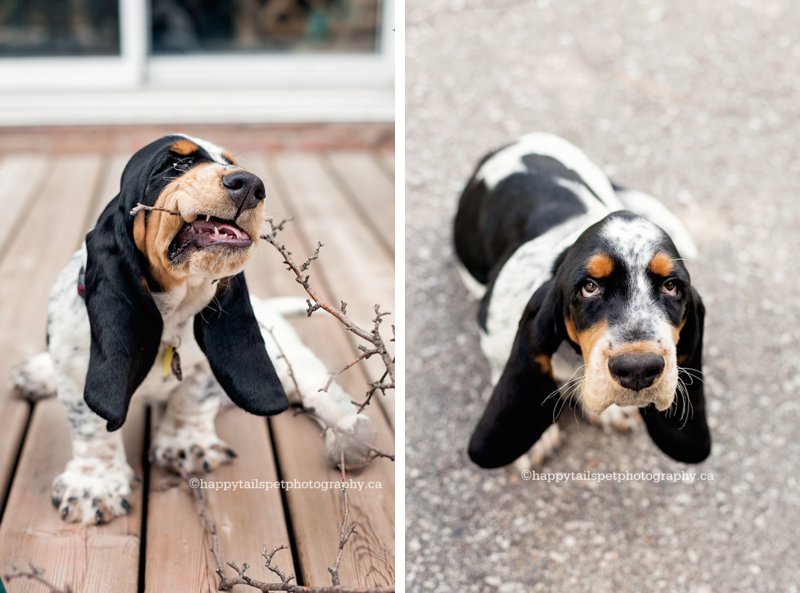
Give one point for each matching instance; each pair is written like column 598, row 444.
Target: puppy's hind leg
column 96, row 483
column 186, row 437
column 303, row 375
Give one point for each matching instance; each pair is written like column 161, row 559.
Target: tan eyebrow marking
column 661, row 264
column 600, row 265
column 184, row 147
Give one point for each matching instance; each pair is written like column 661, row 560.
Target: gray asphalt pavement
column 697, row 103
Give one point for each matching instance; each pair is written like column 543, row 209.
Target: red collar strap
column 82, row 283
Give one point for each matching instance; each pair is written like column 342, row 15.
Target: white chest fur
column 178, row 309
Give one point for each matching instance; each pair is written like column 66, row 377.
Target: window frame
column 135, row 68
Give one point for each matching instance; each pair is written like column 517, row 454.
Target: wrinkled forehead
column 635, row 244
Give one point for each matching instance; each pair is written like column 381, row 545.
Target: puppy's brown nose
column 636, row 371
column 245, row 189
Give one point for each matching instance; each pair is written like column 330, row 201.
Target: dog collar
column 82, row 283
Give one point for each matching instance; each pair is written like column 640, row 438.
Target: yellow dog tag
column 166, row 361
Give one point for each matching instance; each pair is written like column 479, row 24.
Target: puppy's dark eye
column 183, row 164
column 590, row 289
column 670, row 287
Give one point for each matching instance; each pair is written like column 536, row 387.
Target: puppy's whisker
column 693, row 373
column 551, row 394
column 573, row 378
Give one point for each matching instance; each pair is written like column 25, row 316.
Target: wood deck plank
column 316, row 515
column 324, row 214
column 386, row 158
column 370, row 190
column 109, row 185
column 32, row 261
column 16, row 198
column 88, row 558
column 356, row 268
column 246, row 519
column 15, row 201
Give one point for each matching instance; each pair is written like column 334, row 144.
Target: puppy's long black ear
column 519, row 410
column 125, row 322
column 682, row 431
column 228, row 334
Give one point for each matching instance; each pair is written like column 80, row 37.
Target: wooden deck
column 340, row 196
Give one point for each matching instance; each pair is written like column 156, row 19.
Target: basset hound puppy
column 155, row 303
column 583, row 284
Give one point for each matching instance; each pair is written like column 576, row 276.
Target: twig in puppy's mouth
column 140, row 207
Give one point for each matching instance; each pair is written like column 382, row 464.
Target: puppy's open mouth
column 207, row 232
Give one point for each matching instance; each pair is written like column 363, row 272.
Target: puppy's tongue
column 202, row 233
column 213, row 231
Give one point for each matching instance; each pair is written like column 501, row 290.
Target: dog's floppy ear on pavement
column 524, row 401
column 682, row 431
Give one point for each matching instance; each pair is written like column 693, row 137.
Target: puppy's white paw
column 621, row 419
column 545, row 447
column 36, row 377
column 196, row 452
column 354, row 435
column 92, row 490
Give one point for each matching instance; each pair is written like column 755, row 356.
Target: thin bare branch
column 140, row 207
column 345, row 531
column 316, row 302
column 226, row 583
column 374, row 387
column 243, row 579
column 208, row 522
column 34, row 573
column 365, row 354
column 282, row 355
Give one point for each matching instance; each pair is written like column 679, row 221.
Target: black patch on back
column 547, row 165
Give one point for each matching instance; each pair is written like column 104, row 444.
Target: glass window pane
column 242, row 26
column 59, row 28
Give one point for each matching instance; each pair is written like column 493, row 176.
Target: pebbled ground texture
column 698, row 104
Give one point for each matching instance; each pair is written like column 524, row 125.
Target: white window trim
column 283, row 70
column 135, row 88
column 197, row 105
column 91, row 72
column 134, row 68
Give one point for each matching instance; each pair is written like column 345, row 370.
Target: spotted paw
column 92, row 491
column 190, row 451
column 621, row 419
column 542, row 449
column 355, row 438
column 35, row 378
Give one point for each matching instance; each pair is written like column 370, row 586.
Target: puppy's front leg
column 186, row 436
column 96, row 483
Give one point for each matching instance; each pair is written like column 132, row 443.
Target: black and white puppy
column 156, row 303
column 570, row 265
